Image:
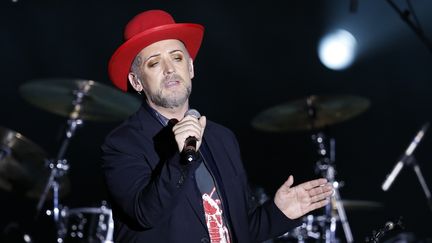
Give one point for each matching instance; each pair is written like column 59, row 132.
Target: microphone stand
column 417, row 29
column 412, row 162
column 60, row 166
column 408, row 159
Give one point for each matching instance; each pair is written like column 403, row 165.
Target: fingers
column 326, row 189
column 189, row 126
column 317, row 205
column 203, row 122
column 320, row 195
column 313, row 183
column 188, row 123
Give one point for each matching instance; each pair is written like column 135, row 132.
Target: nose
column 168, row 67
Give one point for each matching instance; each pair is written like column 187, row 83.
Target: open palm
column 296, row 201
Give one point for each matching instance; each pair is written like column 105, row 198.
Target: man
column 158, row 195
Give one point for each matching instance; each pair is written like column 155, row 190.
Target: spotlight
column 337, row 49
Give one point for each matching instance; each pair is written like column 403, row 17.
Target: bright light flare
column 337, row 49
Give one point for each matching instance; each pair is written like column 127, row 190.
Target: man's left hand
column 297, row 201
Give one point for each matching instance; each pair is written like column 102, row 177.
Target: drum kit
column 313, row 114
column 26, row 169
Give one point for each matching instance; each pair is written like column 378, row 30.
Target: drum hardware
column 87, row 100
column 310, row 114
column 326, row 167
column 389, row 226
column 78, row 100
column 23, row 165
column 408, row 159
column 59, row 166
column 310, row 228
column 296, row 115
column 89, row 224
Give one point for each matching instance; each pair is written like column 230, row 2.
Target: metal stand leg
column 341, row 212
column 58, row 169
column 422, row 181
column 326, row 167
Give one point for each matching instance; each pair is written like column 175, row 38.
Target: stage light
column 337, row 49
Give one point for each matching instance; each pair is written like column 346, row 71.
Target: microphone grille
column 193, row 112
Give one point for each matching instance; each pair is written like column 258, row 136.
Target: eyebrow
column 155, row 55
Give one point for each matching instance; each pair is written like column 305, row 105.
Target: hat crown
column 145, row 29
column 147, row 20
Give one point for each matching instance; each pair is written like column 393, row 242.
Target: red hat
column 145, row 29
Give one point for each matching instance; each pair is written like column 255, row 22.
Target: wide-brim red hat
column 145, row 29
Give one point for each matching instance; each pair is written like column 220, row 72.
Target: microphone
column 399, row 165
column 189, row 149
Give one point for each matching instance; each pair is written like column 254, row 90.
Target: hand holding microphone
column 188, row 133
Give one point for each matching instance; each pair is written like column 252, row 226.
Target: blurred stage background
column 255, row 55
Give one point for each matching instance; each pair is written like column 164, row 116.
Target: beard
column 172, row 99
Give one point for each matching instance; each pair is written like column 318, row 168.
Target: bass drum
column 89, row 225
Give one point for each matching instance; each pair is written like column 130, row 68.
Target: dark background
column 255, row 55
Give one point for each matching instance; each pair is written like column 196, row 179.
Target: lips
column 171, row 83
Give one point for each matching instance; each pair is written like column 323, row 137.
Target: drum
column 89, row 225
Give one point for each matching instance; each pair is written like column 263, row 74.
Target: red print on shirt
column 213, row 215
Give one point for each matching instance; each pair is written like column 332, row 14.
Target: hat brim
column 119, row 65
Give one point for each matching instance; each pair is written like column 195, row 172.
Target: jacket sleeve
column 141, row 181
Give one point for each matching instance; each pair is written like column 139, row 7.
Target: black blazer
column 154, row 196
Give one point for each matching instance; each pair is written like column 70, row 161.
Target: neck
column 172, row 112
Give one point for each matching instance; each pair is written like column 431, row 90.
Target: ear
column 191, row 68
column 135, row 82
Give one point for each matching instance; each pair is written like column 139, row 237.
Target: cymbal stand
column 59, row 166
column 326, row 166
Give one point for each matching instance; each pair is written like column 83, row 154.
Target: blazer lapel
column 195, row 201
column 151, row 127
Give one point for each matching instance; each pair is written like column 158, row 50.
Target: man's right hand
column 189, row 126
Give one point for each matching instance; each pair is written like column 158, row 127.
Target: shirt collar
column 162, row 119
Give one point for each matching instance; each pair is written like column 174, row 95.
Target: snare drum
column 89, row 225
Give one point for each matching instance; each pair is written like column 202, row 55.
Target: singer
column 156, row 194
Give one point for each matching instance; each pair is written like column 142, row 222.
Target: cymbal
column 100, row 102
column 310, row 113
column 361, row 205
column 23, row 165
